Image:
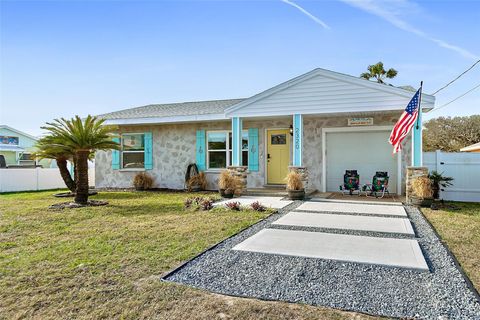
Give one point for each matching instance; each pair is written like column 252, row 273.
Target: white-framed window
column 26, row 156
column 219, row 149
column 132, row 154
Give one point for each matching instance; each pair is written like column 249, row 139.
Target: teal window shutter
column 116, row 156
column 200, row 150
column 253, row 149
column 148, row 144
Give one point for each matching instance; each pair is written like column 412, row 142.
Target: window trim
column 122, row 168
column 228, row 150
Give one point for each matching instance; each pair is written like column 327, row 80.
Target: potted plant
column 422, row 192
column 228, row 184
column 295, row 188
column 142, row 181
column 438, row 180
column 197, row 182
column 223, row 181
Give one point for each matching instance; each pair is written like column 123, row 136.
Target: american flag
column 405, row 123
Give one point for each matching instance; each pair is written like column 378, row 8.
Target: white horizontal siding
column 323, row 94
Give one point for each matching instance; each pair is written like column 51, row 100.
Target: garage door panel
column 366, row 152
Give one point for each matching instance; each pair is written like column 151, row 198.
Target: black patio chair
column 351, row 183
column 379, row 185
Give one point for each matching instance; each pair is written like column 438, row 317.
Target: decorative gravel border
column 443, row 293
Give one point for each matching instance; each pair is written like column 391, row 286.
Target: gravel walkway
column 442, row 293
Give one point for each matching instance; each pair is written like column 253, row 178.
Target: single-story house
column 472, row 148
column 322, row 121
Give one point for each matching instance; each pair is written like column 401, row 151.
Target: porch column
column 297, row 139
column 417, row 159
column 236, row 141
column 236, row 168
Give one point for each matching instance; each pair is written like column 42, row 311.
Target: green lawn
column 106, row 262
column 459, row 226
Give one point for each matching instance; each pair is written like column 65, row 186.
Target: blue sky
column 61, row 58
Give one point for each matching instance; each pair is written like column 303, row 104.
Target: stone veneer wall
column 174, row 149
column 412, row 173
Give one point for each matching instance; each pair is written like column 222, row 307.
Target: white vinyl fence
column 34, row 179
column 464, row 167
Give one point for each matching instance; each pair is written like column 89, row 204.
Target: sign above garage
column 355, row 122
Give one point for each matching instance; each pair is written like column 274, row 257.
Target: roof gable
column 473, row 147
column 323, row 91
column 4, row 130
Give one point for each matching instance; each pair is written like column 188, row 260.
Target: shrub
column 142, row 181
column 438, row 180
column 224, row 180
column 188, row 203
column 229, row 182
column 233, row 205
column 206, row 204
column 294, row 181
column 257, row 206
column 203, row 203
column 422, row 187
column 197, row 180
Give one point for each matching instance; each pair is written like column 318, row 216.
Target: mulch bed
column 73, row 205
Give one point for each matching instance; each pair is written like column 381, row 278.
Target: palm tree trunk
column 75, row 172
column 67, row 178
column 436, row 191
column 81, row 169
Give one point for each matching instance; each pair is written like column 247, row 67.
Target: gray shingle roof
column 173, row 109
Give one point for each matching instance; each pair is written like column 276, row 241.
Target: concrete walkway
column 357, row 208
column 359, row 241
column 372, row 250
column 348, row 222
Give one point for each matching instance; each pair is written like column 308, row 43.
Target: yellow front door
column 278, row 155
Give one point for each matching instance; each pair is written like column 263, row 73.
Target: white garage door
column 366, row 152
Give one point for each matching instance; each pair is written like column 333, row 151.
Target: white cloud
column 391, row 12
column 308, row 14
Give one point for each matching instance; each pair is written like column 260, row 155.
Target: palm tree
column 51, row 147
column 83, row 137
column 377, row 72
column 438, row 180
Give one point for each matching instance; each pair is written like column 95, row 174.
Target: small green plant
column 438, row 180
column 257, row 206
column 233, row 205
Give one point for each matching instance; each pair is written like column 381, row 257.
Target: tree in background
column 378, row 72
column 451, row 134
column 82, row 138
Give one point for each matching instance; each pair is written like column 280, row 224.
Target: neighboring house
column 17, row 147
column 473, row 148
column 323, row 121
